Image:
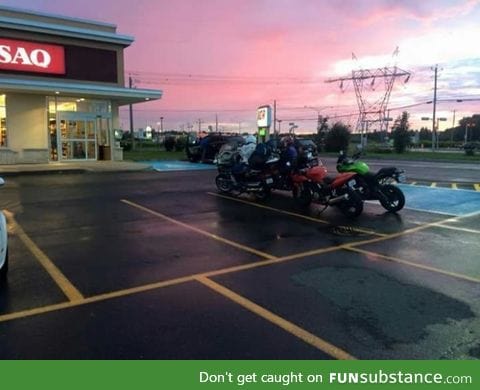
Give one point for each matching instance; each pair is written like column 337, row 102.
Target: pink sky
column 227, row 57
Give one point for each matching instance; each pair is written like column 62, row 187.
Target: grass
column 425, row 156
column 153, row 153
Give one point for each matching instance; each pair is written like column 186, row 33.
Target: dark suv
column 204, row 149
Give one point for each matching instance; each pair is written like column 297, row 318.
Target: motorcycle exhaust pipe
column 337, row 199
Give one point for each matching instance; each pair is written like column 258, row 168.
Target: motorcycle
column 312, row 184
column 236, row 176
column 375, row 186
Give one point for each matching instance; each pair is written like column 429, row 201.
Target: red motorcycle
column 312, row 184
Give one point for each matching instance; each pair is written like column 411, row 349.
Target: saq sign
column 31, row 57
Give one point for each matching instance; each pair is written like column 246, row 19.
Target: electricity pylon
column 364, row 82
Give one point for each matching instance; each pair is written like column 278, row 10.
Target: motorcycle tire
column 393, row 198
column 224, row 183
column 352, row 207
column 302, row 196
column 4, row 269
column 263, row 195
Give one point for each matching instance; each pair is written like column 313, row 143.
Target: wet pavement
column 158, row 265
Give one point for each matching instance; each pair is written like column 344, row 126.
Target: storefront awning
column 121, row 95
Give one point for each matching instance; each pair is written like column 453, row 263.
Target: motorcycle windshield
column 358, row 167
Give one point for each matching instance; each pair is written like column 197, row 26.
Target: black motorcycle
column 238, row 177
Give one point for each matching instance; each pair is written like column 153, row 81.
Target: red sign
column 31, row 57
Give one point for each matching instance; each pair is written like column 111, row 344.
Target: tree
column 401, row 136
column 338, row 138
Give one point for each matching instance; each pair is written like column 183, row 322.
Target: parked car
column 205, row 149
column 3, row 243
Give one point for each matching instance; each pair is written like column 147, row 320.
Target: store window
column 3, row 121
column 78, row 128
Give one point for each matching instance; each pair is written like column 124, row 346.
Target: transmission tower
column 372, row 110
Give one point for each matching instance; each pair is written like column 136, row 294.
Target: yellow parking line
column 184, row 279
column 433, row 185
column 158, row 285
column 200, row 231
column 454, row 186
column 290, row 213
column 288, row 326
column 461, row 229
column 411, row 264
column 94, row 299
column 477, row 187
column 60, row 279
column 404, row 232
column 262, row 206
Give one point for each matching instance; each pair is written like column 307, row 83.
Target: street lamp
column 279, row 121
column 319, row 116
column 293, row 126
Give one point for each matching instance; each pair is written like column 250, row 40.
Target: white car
column 3, row 242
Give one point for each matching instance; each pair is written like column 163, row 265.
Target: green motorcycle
column 375, row 186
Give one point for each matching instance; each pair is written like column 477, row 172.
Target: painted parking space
column 185, row 321
column 450, row 185
column 441, row 200
column 373, row 309
column 450, row 250
column 129, row 245
column 173, row 165
column 29, row 285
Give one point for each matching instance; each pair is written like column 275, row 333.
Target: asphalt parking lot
column 151, row 265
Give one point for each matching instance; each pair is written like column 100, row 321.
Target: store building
column 61, row 85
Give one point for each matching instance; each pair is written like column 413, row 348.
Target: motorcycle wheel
column 302, row 196
column 224, row 183
column 4, row 269
column 352, row 207
column 263, row 195
column 393, row 198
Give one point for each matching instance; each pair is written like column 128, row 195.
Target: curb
column 43, row 172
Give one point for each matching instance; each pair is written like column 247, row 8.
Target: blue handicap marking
column 441, row 200
column 179, row 166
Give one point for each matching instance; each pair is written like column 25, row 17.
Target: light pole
column 319, row 116
column 467, row 126
column 161, row 130
column 293, row 126
column 279, row 125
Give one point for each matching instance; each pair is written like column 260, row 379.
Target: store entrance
column 77, row 137
column 79, row 129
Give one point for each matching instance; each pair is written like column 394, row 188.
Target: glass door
column 77, row 137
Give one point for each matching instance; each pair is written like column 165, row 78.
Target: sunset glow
column 226, row 58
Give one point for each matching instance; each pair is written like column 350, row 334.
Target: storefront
column 61, row 86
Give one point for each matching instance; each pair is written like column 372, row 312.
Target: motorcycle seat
column 328, row 179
